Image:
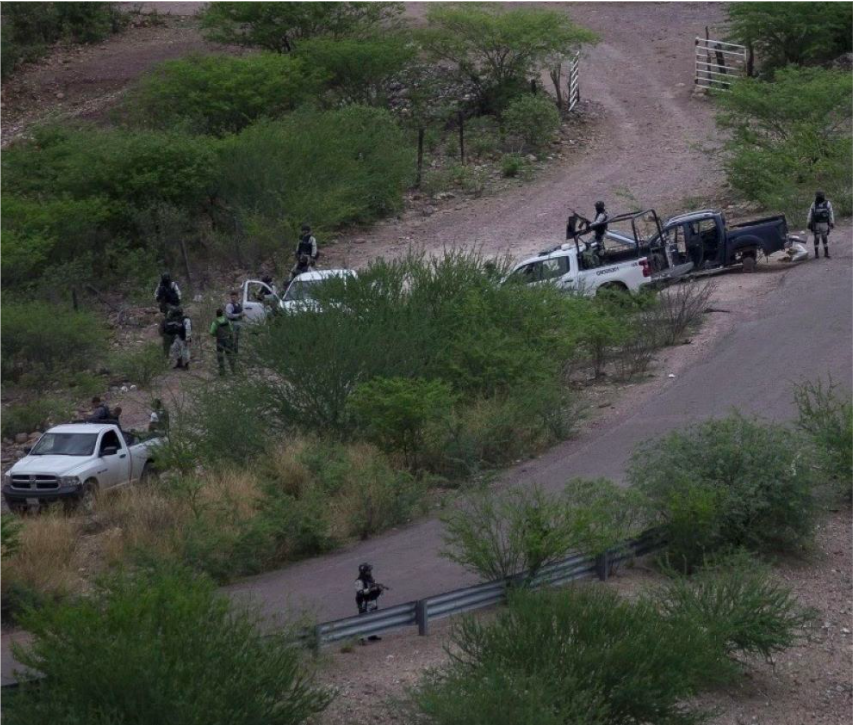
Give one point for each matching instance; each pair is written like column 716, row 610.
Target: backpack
column 174, row 327
column 821, row 213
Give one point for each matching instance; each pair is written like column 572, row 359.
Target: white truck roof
column 81, row 427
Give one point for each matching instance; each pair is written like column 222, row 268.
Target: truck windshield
column 65, row 444
column 301, row 290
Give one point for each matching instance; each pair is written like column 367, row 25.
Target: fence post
column 422, row 617
column 318, row 637
column 602, row 566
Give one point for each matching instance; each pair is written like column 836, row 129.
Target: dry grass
column 47, row 561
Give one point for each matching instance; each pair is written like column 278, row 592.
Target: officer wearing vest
column 307, row 252
column 171, row 327
column 221, row 330
column 167, row 294
column 234, row 312
column 821, row 221
column 599, row 224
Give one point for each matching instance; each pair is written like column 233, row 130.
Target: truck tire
column 148, row 474
column 749, row 263
column 88, row 496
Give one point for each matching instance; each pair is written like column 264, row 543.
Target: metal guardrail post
column 602, row 566
column 422, row 617
column 317, row 640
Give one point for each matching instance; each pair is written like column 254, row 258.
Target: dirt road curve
column 783, row 327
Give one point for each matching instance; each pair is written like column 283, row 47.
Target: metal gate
column 718, row 63
column 574, row 81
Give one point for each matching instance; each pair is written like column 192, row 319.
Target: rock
column 60, row 95
column 671, row 375
column 21, row 438
column 531, row 158
column 428, row 210
column 35, row 435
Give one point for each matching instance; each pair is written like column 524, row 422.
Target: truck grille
column 35, row 483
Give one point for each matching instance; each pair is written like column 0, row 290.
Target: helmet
column 165, row 278
column 819, row 196
column 306, row 227
column 364, row 569
column 599, row 206
column 266, row 280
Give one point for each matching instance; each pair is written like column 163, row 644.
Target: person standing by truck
column 222, row 331
column 821, row 221
column 234, row 312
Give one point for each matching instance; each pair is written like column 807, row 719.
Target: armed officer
column 821, row 221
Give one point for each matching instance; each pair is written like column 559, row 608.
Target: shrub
column 42, row 339
column 722, row 484
column 359, row 167
column 29, row 30
column 534, row 119
column 10, row 535
column 358, row 69
column 679, row 308
column 35, row 415
column 737, row 603
column 498, row 536
column 220, row 94
column 393, row 412
column 281, row 27
column 139, row 365
column 790, row 137
column 783, row 33
column 826, row 415
column 583, row 654
column 512, row 165
column 155, row 642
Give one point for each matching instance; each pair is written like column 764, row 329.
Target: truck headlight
column 69, row 481
column 7, row 477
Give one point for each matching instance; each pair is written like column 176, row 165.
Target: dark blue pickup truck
column 703, row 238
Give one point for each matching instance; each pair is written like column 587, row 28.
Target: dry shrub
column 286, row 466
column 46, row 562
column 680, row 308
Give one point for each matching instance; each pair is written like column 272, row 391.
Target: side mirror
column 109, row 450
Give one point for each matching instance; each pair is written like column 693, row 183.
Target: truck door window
column 110, row 439
column 553, row 268
column 526, row 274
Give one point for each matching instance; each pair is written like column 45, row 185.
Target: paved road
column 801, row 329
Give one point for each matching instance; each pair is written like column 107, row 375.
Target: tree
column 785, row 33
column 789, row 137
column 279, row 26
column 498, row 49
column 160, row 646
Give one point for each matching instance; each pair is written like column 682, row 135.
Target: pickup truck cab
column 584, row 268
column 259, row 300
column 301, row 292
column 73, row 463
column 704, row 238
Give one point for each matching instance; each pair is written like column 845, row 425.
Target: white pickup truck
column 259, row 298
column 73, row 463
column 584, row 269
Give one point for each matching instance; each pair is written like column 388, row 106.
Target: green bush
column 220, row 94
column 393, row 412
column 740, row 607
column 281, row 27
column 522, row 530
column 724, row 484
column 329, row 168
column 513, row 165
column 826, row 416
column 533, row 119
column 358, row 70
column 784, row 33
column 156, row 642
column 42, row 340
column 789, row 137
column 10, row 532
column 583, row 655
column 139, row 365
column 29, row 29
column 35, row 415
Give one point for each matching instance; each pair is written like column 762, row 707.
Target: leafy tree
column 219, row 94
column 800, row 33
column 498, row 50
column 280, row 27
column 790, row 137
column 533, row 119
column 358, row 68
column 160, row 646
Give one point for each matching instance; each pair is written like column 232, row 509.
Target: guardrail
column 421, row 612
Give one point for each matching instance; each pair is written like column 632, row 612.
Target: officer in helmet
column 599, row 224
column 307, row 252
column 167, row 294
column 821, row 221
column 367, row 592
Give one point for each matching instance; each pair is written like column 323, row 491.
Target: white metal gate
column 574, row 81
column 718, row 63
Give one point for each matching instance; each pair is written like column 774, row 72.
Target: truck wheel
column 148, row 474
column 88, row 496
column 749, row 264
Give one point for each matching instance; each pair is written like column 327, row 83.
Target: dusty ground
column 809, row 683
